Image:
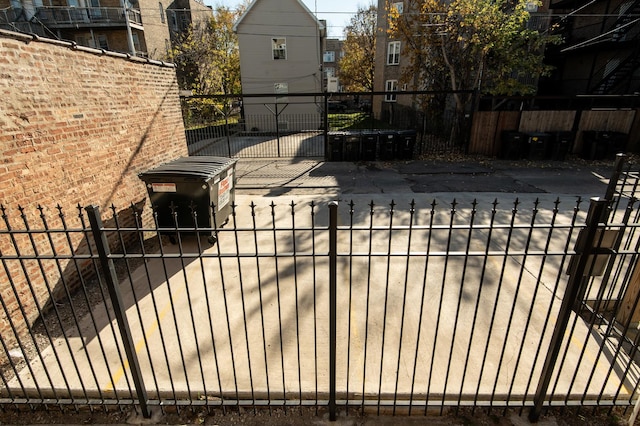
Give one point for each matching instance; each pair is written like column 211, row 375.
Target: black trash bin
column 537, row 145
column 192, row 181
column 351, row 146
column 594, row 147
column 617, row 143
column 336, row 146
column 405, row 144
column 387, row 144
column 561, row 145
column 513, row 145
column 369, row 145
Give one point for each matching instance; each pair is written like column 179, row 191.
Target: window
column 161, row 12
column 174, row 20
column 399, row 7
column 391, row 86
column 393, row 55
column 329, row 56
column 330, row 72
column 136, row 42
column 281, row 90
column 279, row 48
column 102, row 41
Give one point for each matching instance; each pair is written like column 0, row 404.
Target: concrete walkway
column 269, row 338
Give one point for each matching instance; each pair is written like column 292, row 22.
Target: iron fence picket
column 394, row 271
column 95, row 259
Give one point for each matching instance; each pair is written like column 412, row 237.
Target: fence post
column 597, row 209
column 325, row 127
column 615, row 176
column 111, row 279
column 333, row 246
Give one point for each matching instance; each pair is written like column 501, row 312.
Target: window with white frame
column 279, row 48
column 399, row 7
column 393, row 53
column 329, row 56
column 330, row 72
column 391, row 86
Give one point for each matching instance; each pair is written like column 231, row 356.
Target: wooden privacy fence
column 487, row 126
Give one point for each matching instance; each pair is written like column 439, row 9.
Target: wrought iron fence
column 428, row 305
column 299, row 125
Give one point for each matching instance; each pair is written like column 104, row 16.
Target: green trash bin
column 200, row 182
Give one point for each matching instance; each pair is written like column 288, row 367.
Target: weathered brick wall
column 76, row 127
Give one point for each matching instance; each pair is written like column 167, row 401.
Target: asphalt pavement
column 309, row 176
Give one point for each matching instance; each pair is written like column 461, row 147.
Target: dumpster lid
column 204, row 167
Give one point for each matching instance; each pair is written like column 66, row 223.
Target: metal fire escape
column 618, row 72
column 604, row 34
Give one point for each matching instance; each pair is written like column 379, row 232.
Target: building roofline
column 246, row 12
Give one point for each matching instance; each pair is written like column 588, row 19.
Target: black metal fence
column 408, row 308
column 299, row 125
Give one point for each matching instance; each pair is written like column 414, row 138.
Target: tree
column 356, row 67
column 470, row 45
column 207, row 56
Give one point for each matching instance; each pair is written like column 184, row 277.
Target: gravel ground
column 306, row 416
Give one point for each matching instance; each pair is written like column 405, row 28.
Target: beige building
column 330, row 64
column 144, row 30
column 281, row 48
column 388, row 65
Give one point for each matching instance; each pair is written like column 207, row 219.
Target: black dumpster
column 336, row 145
column 561, row 145
column 369, row 145
column 537, row 145
column 192, row 181
column 387, row 144
column 351, row 146
column 405, row 144
column 513, row 145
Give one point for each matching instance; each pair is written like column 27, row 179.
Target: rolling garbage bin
column 405, row 144
column 198, row 181
column 561, row 145
column 387, row 144
column 336, row 145
column 594, row 147
column 617, row 143
column 513, row 145
column 369, row 145
column 351, row 146
column 537, row 145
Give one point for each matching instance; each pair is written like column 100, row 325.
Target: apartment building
column 137, row 27
column 331, row 64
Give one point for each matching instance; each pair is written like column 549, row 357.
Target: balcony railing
column 9, row 14
column 86, row 16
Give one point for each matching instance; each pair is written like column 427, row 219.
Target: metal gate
column 407, row 306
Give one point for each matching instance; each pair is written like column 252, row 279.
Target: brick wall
column 76, row 127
